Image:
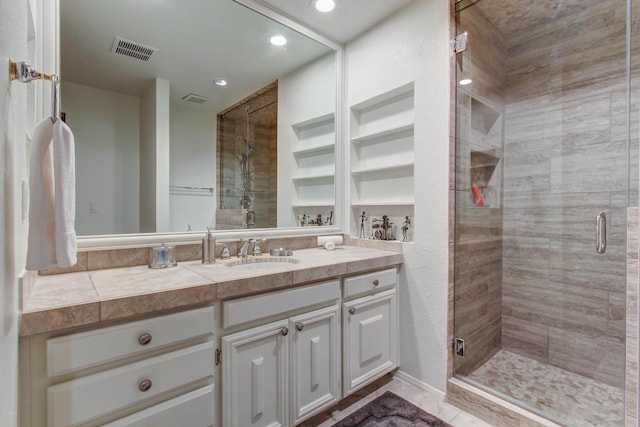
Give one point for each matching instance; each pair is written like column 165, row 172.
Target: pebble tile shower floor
column 565, row 396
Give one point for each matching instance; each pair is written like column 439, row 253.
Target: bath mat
column 389, row 410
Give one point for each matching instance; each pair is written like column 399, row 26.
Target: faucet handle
column 256, row 247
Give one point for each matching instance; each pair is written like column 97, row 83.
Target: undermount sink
column 261, row 263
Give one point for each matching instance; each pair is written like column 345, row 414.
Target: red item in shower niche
column 477, row 195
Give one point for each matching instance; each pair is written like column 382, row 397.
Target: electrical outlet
column 93, row 207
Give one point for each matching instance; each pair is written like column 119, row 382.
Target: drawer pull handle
column 299, row 326
column 144, row 339
column 376, row 282
column 145, row 385
column 284, row 331
column 352, row 310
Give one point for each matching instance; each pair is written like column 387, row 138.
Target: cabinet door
column 370, row 339
column 255, row 376
column 315, row 361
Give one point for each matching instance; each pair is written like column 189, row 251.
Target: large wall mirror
column 164, row 146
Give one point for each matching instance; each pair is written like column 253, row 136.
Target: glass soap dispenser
column 208, row 248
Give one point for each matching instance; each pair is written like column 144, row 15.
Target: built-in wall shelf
column 313, row 166
column 306, row 151
column 382, row 157
column 394, row 203
column 311, row 204
column 384, row 134
column 382, row 169
column 320, row 124
column 317, row 177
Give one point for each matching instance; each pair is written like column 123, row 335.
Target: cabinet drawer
column 85, row 398
column 242, row 310
column 371, row 282
column 86, row 349
column 191, row 409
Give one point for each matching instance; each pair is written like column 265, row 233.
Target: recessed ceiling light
column 465, row 82
column 324, row 6
column 220, row 82
column 278, row 40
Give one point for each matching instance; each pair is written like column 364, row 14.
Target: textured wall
column 412, row 46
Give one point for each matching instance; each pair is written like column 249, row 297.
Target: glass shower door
column 542, row 149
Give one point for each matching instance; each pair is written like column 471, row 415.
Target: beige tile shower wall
column 564, row 160
column 633, row 283
column 478, row 232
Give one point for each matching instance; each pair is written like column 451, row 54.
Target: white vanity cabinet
column 130, row 374
column 255, row 376
column 283, row 372
column 370, row 328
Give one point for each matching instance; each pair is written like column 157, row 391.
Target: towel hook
column 23, row 72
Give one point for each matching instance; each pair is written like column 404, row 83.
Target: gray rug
column 389, row 410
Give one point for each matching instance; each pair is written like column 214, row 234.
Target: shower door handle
column 601, row 233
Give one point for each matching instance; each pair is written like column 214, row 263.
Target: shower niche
column 484, row 179
column 479, row 152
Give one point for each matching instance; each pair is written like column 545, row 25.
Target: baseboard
column 401, row 375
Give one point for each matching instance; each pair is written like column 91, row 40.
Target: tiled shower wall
column 548, row 101
column 565, row 160
column 478, row 230
column 263, row 138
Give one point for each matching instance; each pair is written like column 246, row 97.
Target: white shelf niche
column 315, row 134
column 385, row 111
column 314, row 191
column 394, row 184
column 382, row 157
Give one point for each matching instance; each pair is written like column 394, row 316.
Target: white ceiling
column 349, row 19
column 198, row 41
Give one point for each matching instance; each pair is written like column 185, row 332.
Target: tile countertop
column 75, row 299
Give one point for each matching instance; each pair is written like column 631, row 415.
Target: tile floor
column 429, row 402
column 565, row 396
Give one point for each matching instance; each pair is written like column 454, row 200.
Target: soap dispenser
column 208, row 248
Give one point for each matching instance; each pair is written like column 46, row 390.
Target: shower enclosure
column 247, row 162
column 546, row 140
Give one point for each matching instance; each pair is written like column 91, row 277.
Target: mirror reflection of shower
column 245, row 170
column 247, row 159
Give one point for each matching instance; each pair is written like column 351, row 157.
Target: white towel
column 64, row 171
column 52, row 239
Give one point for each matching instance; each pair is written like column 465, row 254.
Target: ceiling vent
column 132, row 49
column 196, row 99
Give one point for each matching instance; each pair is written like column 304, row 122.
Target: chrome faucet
column 242, row 252
column 256, row 247
column 244, row 249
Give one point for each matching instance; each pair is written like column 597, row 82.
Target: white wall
column 193, row 164
column 13, row 128
column 154, row 158
column 413, row 46
column 106, row 127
